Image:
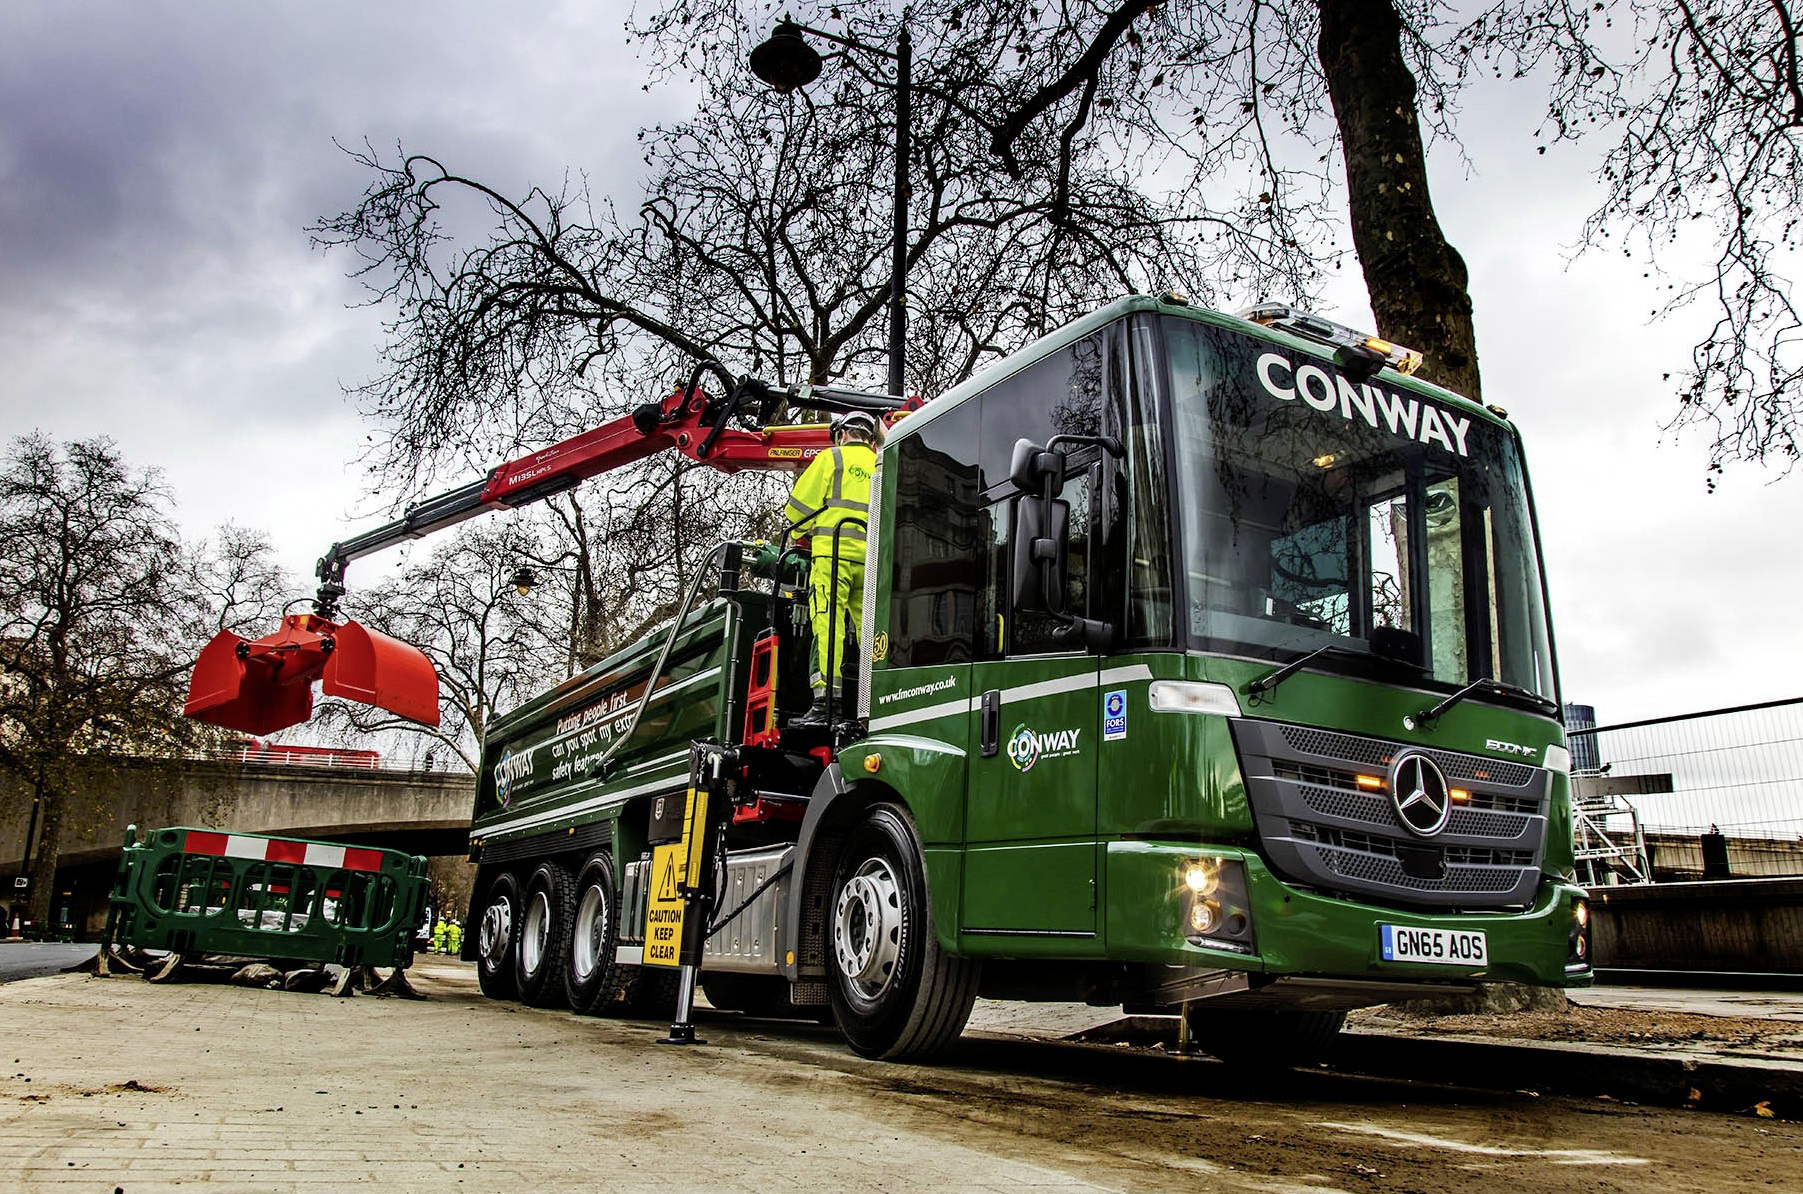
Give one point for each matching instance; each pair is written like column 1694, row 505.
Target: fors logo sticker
column 1028, row 746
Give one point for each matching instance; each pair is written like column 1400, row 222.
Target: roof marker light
column 1335, row 335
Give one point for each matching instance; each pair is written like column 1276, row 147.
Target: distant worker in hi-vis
column 835, row 488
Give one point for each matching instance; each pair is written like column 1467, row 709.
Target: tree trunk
column 1417, row 281
column 43, row 856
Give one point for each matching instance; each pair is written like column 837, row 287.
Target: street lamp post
column 786, row 61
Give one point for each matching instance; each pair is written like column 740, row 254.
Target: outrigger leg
column 699, row 837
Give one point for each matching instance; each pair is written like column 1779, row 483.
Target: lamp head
column 785, row 60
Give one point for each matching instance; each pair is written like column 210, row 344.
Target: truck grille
column 1321, row 829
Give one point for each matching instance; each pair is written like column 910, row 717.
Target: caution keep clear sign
column 670, row 866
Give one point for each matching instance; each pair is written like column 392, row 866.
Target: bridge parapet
column 289, row 798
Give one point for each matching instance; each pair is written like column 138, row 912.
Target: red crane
column 264, row 685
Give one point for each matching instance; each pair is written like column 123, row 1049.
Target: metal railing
column 1715, row 794
column 443, row 762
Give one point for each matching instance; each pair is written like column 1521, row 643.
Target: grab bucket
column 264, row 685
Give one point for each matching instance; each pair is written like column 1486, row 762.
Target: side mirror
column 1034, row 469
column 1042, row 541
column 1042, row 535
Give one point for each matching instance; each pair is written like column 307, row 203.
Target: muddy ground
column 1664, row 1030
column 109, row 1084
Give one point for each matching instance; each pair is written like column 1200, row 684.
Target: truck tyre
column 494, row 937
column 591, row 978
column 541, row 954
column 1257, row 1040
column 894, row 994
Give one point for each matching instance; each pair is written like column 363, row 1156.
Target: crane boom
column 263, row 685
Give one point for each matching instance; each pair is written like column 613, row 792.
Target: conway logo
column 510, row 770
column 1403, row 415
column 1028, row 746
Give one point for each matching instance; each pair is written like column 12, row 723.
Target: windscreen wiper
column 1425, row 719
column 1271, row 680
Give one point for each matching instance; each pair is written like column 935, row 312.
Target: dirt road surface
column 121, row 1085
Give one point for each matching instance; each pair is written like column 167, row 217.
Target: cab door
column 1030, row 813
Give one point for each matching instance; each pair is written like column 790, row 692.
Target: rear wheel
column 591, row 979
column 494, row 938
column 1257, row 1040
column 894, row 994
column 542, row 953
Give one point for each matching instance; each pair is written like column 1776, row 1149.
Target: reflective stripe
column 928, row 713
column 1115, row 675
column 838, row 502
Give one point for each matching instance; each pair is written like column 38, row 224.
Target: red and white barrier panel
column 270, row 849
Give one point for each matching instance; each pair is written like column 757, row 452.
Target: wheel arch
column 834, row 807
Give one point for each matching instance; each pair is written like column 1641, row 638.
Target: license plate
column 1442, row 947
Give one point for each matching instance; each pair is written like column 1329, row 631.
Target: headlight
column 1216, row 908
column 1577, row 944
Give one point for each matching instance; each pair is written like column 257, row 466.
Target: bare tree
column 1265, row 97
column 102, row 613
column 1701, row 97
column 1703, row 181
column 763, row 241
column 757, row 244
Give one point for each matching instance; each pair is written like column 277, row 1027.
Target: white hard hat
column 856, row 422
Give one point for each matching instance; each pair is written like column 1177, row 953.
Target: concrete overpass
column 421, row 812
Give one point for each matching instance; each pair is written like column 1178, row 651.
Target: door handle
column 992, row 723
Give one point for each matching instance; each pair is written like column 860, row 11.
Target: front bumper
column 1300, row 932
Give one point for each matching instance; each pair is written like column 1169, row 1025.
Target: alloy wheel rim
column 591, row 932
column 867, row 928
column 534, row 931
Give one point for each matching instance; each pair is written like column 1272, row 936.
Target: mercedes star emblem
column 1418, row 792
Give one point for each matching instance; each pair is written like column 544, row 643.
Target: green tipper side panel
column 540, row 764
column 247, row 895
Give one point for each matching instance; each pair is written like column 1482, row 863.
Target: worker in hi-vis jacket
column 833, row 489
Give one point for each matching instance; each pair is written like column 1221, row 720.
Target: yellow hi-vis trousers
column 835, row 609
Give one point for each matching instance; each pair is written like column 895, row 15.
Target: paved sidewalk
column 120, row 1084
column 1767, row 1005
column 117, row 1083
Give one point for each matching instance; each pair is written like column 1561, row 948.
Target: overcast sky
column 159, row 163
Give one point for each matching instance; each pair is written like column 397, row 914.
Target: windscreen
column 1317, row 510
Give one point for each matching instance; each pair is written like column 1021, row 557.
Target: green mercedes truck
column 1204, row 668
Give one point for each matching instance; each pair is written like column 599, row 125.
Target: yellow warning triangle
column 666, row 882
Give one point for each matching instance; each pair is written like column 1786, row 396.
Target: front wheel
column 1259, row 1040
column 894, row 994
column 494, row 938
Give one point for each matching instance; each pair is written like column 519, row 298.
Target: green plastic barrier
column 200, row 891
